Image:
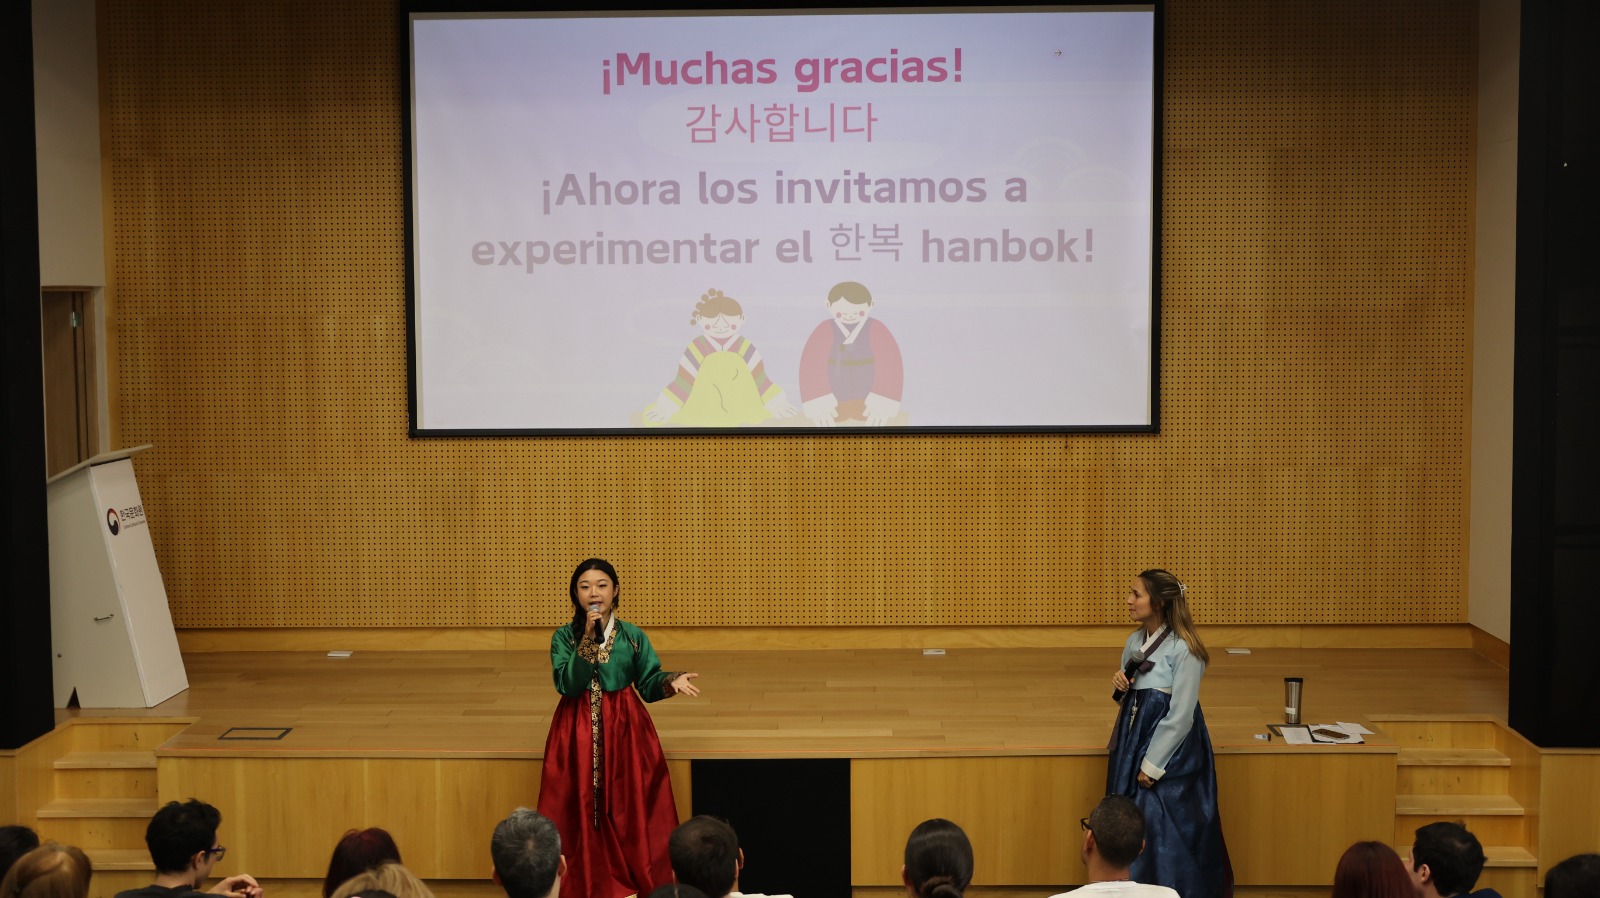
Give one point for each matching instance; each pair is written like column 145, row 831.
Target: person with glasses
column 182, row 838
column 1113, row 836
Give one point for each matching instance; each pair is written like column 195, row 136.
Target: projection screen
column 933, row 220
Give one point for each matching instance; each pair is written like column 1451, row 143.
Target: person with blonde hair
column 390, row 877
column 1160, row 751
column 52, row 870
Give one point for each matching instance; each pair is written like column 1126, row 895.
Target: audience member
column 1113, row 836
column 182, row 839
column 938, row 860
column 1446, row 860
column 386, row 877
column 15, row 841
column 52, row 870
column 526, row 849
column 1372, row 870
column 1576, row 877
column 357, row 852
column 705, row 854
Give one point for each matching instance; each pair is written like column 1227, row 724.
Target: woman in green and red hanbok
column 605, row 779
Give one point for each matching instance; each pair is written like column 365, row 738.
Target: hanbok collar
column 721, row 346
column 611, row 627
column 1152, row 639
column 850, row 334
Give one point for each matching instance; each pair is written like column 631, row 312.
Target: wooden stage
column 437, row 746
column 818, row 703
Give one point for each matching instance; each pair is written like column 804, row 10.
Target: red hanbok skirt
column 613, row 831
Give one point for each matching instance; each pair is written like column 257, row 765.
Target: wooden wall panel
column 1315, row 312
column 1020, row 813
column 1569, row 793
column 1289, row 818
column 440, row 812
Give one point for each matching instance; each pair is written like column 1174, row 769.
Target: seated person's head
column 50, row 871
column 1446, row 857
column 526, row 849
column 389, row 877
column 1116, row 826
column 1576, row 877
column 15, row 841
column 358, row 851
column 938, row 860
column 1372, row 870
column 181, row 835
column 705, row 854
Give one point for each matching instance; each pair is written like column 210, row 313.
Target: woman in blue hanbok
column 1160, row 752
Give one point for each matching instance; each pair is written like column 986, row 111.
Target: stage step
column 120, row 859
column 1465, row 805
column 1439, row 734
column 100, row 807
column 107, row 760
column 1508, row 856
column 1451, row 757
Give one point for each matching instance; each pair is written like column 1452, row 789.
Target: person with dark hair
column 938, row 860
column 526, row 849
column 1372, row 870
column 182, row 838
column 15, row 841
column 705, row 854
column 1576, row 877
column 1446, row 860
column 51, row 870
column 605, row 778
column 1160, row 751
column 357, row 852
column 1113, row 836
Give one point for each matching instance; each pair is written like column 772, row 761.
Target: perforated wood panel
column 1315, row 366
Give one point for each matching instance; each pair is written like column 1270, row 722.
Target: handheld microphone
column 1128, row 670
column 599, row 630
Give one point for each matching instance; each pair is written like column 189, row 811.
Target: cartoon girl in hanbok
column 721, row 379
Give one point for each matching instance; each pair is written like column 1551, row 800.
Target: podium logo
column 120, row 519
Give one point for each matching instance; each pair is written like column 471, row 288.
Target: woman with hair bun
column 605, row 782
column 1160, row 751
column 938, row 860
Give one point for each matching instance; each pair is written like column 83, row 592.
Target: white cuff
column 667, row 405
column 824, row 406
column 881, row 406
column 778, row 403
column 1151, row 770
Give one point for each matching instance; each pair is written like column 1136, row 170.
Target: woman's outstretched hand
column 682, row 686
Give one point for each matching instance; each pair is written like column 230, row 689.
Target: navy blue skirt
column 1182, row 830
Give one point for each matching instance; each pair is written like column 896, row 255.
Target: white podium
column 111, row 630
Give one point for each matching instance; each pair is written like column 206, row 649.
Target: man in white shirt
column 1113, row 835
